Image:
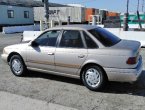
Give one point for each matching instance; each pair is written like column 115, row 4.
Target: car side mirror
column 34, row 44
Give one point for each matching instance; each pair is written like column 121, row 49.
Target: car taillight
column 132, row 60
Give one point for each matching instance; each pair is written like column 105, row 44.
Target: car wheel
column 93, row 78
column 17, row 66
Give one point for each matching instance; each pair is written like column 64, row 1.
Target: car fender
column 91, row 61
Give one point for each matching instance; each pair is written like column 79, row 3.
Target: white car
column 87, row 52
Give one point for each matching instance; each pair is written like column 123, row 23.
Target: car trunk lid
column 128, row 44
column 132, row 46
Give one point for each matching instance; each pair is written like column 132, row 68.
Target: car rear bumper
column 125, row 75
column 4, row 57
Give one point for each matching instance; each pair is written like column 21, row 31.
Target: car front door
column 41, row 55
column 70, row 54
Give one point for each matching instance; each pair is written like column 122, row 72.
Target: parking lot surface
column 71, row 92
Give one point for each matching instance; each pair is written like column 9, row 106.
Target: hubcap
column 92, row 77
column 17, row 66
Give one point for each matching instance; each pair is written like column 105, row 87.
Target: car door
column 42, row 56
column 70, row 53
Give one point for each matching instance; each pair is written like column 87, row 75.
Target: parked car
column 80, row 51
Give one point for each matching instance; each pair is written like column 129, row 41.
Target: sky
column 111, row 5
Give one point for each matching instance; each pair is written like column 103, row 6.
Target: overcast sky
column 112, row 5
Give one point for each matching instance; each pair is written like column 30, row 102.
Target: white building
column 16, row 15
column 16, row 12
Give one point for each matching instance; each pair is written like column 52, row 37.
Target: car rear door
column 70, row 53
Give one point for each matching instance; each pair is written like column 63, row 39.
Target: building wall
column 77, row 14
column 133, row 18
column 88, row 12
column 18, row 15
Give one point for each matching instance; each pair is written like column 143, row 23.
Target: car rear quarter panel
column 110, row 58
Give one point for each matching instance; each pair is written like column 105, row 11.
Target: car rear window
column 105, row 37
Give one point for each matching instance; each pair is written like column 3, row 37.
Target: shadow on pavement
column 33, row 74
column 137, row 88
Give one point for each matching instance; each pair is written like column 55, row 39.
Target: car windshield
column 105, row 37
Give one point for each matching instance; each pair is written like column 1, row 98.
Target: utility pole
column 142, row 5
column 138, row 15
column 125, row 28
column 46, row 7
column 138, row 6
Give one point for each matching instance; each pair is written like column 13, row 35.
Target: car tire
column 17, row 66
column 93, row 78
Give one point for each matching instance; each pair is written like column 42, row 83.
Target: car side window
column 48, row 39
column 89, row 42
column 71, row 39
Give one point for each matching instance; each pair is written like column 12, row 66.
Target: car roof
column 76, row 27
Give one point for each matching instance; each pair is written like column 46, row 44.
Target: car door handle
column 50, row 53
column 81, row 56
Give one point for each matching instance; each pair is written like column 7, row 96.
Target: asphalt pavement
column 40, row 88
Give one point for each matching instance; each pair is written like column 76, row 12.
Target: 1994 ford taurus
column 79, row 51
